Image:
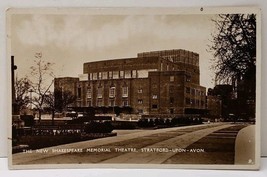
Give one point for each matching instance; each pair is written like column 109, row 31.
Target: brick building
column 158, row 82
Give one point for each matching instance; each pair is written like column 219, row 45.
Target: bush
column 124, row 125
column 98, row 127
column 28, row 120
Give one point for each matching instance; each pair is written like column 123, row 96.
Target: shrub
column 28, row 120
column 98, row 127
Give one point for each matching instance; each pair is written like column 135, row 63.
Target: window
column 110, row 74
column 167, row 67
column 99, row 102
column 140, row 90
column 99, row 92
column 125, row 103
column 187, row 101
column 79, row 103
column 91, row 76
column 188, row 78
column 125, row 91
column 111, row 102
column 104, row 75
column 161, row 66
column 202, row 103
column 94, row 76
column 171, row 78
column 100, row 75
column 112, row 92
column 193, row 102
column 144, row 73
column 79, row 92
column 187, row 90
column 193, row 91
column 140, row 111
column 154, row 106
column 128, row 74
column 89, row 103
column 121, row 74
column 154, row 96
column 197, row 102
column 140, row 101
column 89, row 92
column 115, row 74
column 134, row 74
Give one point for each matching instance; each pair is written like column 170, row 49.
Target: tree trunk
column 53, row 117
column 40, row 115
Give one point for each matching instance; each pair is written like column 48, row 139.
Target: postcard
column 134, row 87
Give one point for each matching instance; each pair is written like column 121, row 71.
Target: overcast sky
column 71, row 40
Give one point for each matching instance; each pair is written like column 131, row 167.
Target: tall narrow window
column 171, row 78
column 94, row 76
column 121, row 74
column 125, row 103
column 110, row 74
column 188, row 78
column 111, row 102
column 99, row 102
column 105, row 75
column 79, row 92
column 99, row 92
column 193, row 91
column 134, row 74
column 99, row 75
column 188, row 101
column 128, row 74
column 89, row 92
column 124, row 91
column 112, row 92
column 115, row 74
column 187, row 89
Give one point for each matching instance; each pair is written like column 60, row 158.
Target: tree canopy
column 234, row 47
column 22, row 89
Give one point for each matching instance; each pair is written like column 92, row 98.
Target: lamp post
column 14, row 105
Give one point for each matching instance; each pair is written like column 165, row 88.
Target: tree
column 234, row 51
column 234, row 48
column 22, row 89
column 49, row 100
column 43, row 79
column 63, row 98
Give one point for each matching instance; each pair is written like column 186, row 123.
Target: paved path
column 170, row 145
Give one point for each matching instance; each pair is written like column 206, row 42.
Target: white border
column 144, row 11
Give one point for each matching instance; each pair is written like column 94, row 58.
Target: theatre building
column 158, row 82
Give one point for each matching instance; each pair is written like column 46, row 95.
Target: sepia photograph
column 134, row 87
